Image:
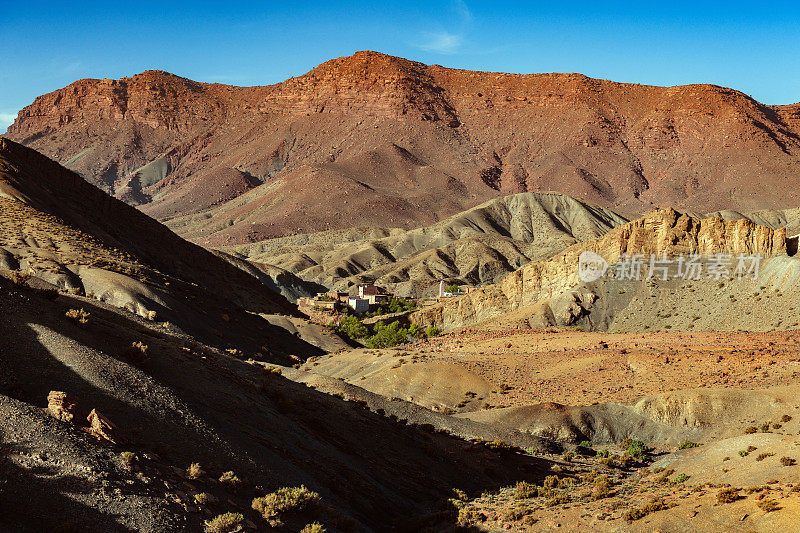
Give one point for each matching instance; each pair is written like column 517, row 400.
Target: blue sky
column 753, row 47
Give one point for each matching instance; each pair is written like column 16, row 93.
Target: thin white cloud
column 6, row 119
column 449, row 41
column 70, row 68
column 443, row 42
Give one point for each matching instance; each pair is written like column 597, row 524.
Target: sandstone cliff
column 661, row 232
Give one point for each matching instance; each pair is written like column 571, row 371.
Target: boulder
column 61, row 405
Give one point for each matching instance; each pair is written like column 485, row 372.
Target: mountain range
column 380, row 141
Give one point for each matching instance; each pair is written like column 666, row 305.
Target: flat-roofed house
column 359, row 305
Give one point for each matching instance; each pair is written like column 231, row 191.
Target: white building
column 359, row 305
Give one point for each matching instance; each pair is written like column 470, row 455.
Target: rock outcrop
column 62, row 405
column 664, row 232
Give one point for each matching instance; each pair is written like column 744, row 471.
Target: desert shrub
column 196, row 471
column 569, row 456
column 500, row 446
column 78, row 316
column 468, row 516
column 432, row 331
column 524, row 490
column 680, row 478
column 19, row 278
column 230, row 480
column 558, row 498
column 763, row 456
column 602, row 487
column 788, row 461
column 750, row 430
column 314, row 527
column 728, row 495
column 136, row 353
column 286, row 499
column 225, row 523
column 664, row 477
column 687, row 444
column 743, row 453
column 128, row 457
column 786, row 418
column 767, row 505
column 637, row 449
column 202, row 498
column 551, row 482
column 653, row 506
column 795, row 488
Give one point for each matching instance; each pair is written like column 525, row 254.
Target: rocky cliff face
column 661, row 232
column 378, row 140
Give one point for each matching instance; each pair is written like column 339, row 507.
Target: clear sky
column 750, row 46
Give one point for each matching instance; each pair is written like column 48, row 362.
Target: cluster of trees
column 382, row 335
column 394, row 305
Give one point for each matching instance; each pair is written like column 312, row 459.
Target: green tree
column 388, row 335
column 351, row 327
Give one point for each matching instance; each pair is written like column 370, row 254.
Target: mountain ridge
column 372, row 139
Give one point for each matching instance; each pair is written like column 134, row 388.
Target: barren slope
column 475, row 247
column 60, row 230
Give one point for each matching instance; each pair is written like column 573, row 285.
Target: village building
column 338, row 296
column 372, row 294
column 359, row 305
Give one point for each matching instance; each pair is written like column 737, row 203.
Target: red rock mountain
column 376, row 140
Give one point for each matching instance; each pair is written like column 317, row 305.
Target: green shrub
column 687, row 444
column 637, row 449
column 314, row 527
column 128, row 457
column 432, row 331
column 286, row 499
column 585, row 444
column 225, row 523
column 202, row 498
